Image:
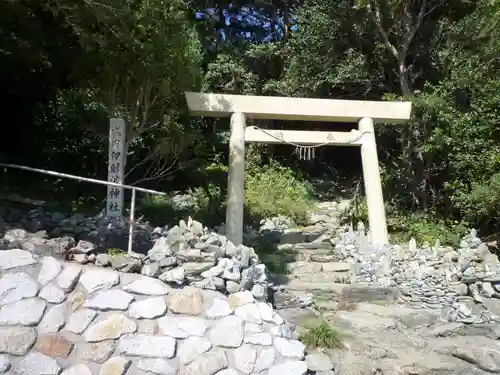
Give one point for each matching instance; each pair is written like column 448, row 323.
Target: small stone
column 148, row 286
column 68, row 278
column 182, row 327
column 53, row 345
column 265, row 359
column 205, row 364
column 175, row 275
column 15, row 258
column 228, row 332
column 95, row 279
column 115, row 366
column 39, row 364
column 186, row 301
column 54, row 320
column 4, row 364
column 125, row 264
column 51, row 268
column 17, row 340
column 259, row 291
column 156, row 366
column 240, row 299
column 80, row 320
column 289, row 368
column 218, row 309
column 232, row 286
column 98, row 352
column 244, row 358
column 141, row 345
column 111, row 328
column 266, row 312
column 151, row 270
column 26, row 312
column 52, row 294
column 102, row 260
column 113, row 299
column 77, row 370
column 289, row 348
column 263, row 339
column 249, row 313
column 16, row 286
column 150, row 308
column 192, row 347
column 318, row 362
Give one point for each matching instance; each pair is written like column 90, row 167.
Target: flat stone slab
column 17, row 286
column 16, row 258
column 26, row 312
column 141, row 345
column 113, row 299
column 367, row 293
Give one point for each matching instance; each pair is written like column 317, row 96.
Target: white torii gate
column 240, row 107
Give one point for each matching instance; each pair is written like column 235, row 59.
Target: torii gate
column 240, row 107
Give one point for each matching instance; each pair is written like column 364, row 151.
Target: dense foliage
column 66, row 66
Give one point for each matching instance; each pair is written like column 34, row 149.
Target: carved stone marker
column 114, row 202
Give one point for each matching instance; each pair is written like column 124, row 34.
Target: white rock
column 77, row 370
column 15, row 258
column 95, row 279
column 148, row 286
column 289, row 368
column 54, row 320
column 289, row 348
column 68, row 278
column 182, row 327
column 218, row 309
column 249, row 313
column 113, row 299
column 265, row 359
column 39, row 364
column 111, row 328
column 16, row 286
column 156, row 366
column 192, row 347
column 244, row 358
column 150, row 308
column 205, row 364
column 141, row 345
column 240, row 299
column 262, row 338
column 175, row 275
column 213, row 272
column 26, row 312
column 51, row 268
column 115, row 366
column 52, row 294
column 228, row 371
column 80, row 320
column 318, row 362
column 228, row 332
column 266, row 312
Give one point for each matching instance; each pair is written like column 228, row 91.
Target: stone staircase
column 315, row 276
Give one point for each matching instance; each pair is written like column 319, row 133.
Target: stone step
column 302, row 267
column 345, row 292
column 335, row 277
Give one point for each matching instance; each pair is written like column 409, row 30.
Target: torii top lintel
column 304, row 109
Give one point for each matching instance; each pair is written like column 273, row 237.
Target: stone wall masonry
column 187, row 253
column 65, row 318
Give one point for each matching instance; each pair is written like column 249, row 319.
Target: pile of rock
column 187, row 253
column 69, row 319
column 455, row 281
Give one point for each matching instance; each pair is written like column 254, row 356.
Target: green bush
column 322, row 336
column 277, row 190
